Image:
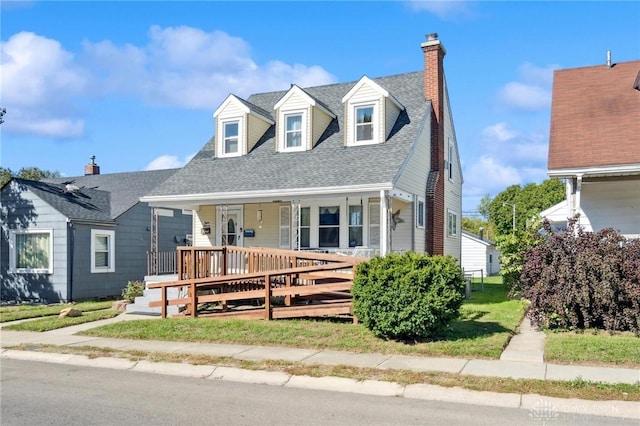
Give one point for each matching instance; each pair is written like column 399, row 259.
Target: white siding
column 452, row 188
column 266, row 234
column 413, row 176
column 478, row 256
column 612, row 204
column 320, row 122
column 402, row 236
column 204, row 214
column 391, row 112
column 256, row 128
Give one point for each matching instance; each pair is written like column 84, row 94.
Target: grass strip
column 593, row 347
column 580, row 389
column 17, row 312
column 47, row 324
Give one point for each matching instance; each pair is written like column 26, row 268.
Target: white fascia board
column 626, row 169
column 227, row 101
column 401, row 195
column 310, row 100
column 276, row 194
column 375, row 86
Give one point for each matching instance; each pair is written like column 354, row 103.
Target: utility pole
column 513, row 226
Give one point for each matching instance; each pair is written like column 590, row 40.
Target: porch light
column 260, row 218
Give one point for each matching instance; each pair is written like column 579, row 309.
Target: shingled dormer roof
column 329, row 164
column 595, row 117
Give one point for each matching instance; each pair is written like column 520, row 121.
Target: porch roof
column 330, row 164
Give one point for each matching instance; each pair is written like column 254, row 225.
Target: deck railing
column 161, row 263
column 230, row 274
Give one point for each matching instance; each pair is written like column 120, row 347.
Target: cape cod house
column 82, row 237
column 363, row 167
column 595, row 146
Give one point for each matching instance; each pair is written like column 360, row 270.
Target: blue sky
column 136, row 83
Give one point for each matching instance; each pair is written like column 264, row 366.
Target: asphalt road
column 34, row 393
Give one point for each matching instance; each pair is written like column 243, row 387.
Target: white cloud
column 443, row 9
column 498, row 132
column 188, row 68
column 168, row 162
column 488, row 175
column 182, row 67
column 38, row 79
column 532, row 91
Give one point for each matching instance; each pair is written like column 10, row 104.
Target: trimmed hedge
column 407, row 296
column 580, row 280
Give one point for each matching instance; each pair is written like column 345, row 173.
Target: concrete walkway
column 521, row 360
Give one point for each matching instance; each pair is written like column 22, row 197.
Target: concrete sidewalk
column 524, row 363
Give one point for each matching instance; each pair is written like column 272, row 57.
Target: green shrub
column 581, row 280
column 407, row 296
column 132, row 290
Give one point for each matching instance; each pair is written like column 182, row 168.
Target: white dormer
column 301, row 121
column 239, row 125
column 370, row 113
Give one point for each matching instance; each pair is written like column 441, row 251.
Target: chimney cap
column 432, row 36
column 433, row 41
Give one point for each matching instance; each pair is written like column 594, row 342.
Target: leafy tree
column 473, row 225
column 529, row 201
column 30, row 173
column 483, row 206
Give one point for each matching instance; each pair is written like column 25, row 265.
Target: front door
column 230, row 229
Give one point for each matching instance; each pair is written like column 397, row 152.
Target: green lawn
column 52, row 323
column 487, row 321
column 13, row 313
column 593, row 347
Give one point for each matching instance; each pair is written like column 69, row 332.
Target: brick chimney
column 92, row 168
column 434, row 91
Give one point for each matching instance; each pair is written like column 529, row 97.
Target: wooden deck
column 222, row 282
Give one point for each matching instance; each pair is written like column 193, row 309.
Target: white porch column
column 576, row 207
column 384, row 223
column 569, row 196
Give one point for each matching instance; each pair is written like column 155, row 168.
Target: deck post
column 164, row 301
column 224, row 261
column 287, row 298
column 267, row 297
column 194, row 299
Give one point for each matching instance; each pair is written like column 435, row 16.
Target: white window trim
column 455, row 230
column 420, row 218
column 12, row 251
column 112, row 251
column 282, row 146
column 220, row 141
column 375, row 123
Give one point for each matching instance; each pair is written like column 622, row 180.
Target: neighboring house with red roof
column 595, row 145
column 368, row 166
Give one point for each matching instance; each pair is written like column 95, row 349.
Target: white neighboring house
column 594, row 146
column 479, row 255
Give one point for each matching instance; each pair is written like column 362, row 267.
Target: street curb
column 538, row 406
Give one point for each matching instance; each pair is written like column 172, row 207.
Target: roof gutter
column 627, row 169
column 269, row 195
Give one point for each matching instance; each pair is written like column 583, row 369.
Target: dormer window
column 371, row 112
column 364, row 123
column 294, row 132
column 231, row 136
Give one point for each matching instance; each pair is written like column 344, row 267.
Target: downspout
column 71, row 235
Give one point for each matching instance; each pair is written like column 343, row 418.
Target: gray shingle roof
column 328, row 164
column 101, row 197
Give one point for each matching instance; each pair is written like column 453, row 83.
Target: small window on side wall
column 103, row 247
column 452, row 223
column 420, row 216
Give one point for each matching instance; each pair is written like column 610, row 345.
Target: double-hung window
column 329, row 227
column 230, row 138
column 420, row 212
column 305, row 227
column 31, row 251
column 355, row 226
column 293, row 131
column 364, row 131
column 102, row 251
column 452, row 223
